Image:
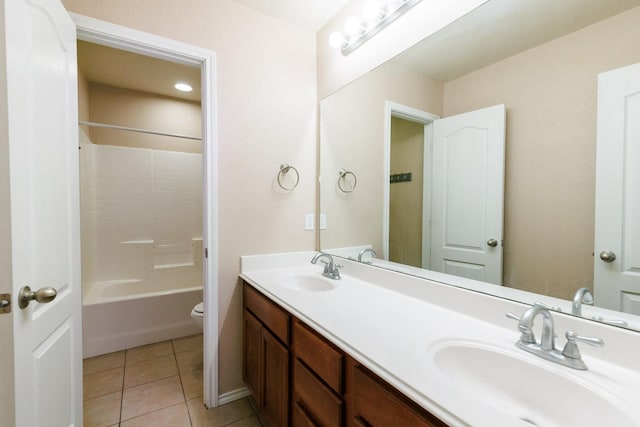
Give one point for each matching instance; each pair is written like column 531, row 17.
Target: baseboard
column 233, row 395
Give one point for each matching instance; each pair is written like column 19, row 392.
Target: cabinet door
column 276, row 381
column 252, row 363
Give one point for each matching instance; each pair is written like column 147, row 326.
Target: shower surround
column 141, row 213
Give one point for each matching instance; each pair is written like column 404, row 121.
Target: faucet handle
column 610, row 321
column 513, row 317
column 571, row 349
column 548, row 307
column 527, row 334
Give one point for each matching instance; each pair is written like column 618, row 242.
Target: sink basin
column 307, row 283
column 528, row 392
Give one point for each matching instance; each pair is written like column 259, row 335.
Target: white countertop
column 394, row 324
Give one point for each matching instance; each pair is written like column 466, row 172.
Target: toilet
column 197, row 313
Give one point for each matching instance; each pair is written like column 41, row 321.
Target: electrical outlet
column 323, row 221
column 309, row 220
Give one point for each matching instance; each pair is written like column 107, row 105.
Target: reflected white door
column 43, row 156
column 617, row 281
column 468, row 194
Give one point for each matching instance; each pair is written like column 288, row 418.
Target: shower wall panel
column 141, row 214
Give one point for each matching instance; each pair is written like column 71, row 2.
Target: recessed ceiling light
column 183, row 87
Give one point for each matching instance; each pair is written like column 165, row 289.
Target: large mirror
column 541, row 60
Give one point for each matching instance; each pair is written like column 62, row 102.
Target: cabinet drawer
column 315, row 400
column 272, row 316
column 379, row 405
column 319, row 355
column 300, row 418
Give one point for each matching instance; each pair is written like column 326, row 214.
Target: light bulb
column 183, row 87
column 352, row 26
column 336, row 40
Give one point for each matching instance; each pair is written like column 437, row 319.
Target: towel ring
column 284, row 169
column 343, row 174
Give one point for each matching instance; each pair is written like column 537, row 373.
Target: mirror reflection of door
column 617, row 234
column 406, row 192
column 446, row 191
column 468, row 194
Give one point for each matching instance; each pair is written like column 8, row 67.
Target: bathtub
column 120, row 314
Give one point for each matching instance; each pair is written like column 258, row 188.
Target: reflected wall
column 550, row 95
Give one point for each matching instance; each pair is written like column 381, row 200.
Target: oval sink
column 302, row 282
column 527, row 391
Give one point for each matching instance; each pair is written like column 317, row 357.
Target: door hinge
column 5, row 303
column 206, row 252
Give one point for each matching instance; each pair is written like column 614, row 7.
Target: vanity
column 382, row 348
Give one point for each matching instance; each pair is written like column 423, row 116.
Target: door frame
column 393, row 109
column 123, row 38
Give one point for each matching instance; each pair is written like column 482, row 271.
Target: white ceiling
column 501, row 28
column 310, row 14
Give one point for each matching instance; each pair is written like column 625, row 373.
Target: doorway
column 114, row 36
column 412, row 131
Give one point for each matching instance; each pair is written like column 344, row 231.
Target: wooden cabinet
column 299, row 379
column 317, row 379
column 375, row 403
column 265, row 365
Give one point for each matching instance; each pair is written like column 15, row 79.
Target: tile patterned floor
column 155, row 385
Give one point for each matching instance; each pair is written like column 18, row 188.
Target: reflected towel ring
column 284, row 168
column 343, row 174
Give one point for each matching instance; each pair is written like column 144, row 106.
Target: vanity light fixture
column 377, row 14
column 183, row 87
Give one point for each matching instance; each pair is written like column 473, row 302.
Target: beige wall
column 142, row 110
column 266, row 116
column 352, row 137
column 83, row 99
column 405, row 199
column 550, row 95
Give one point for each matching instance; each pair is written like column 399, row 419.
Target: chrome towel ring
column 284, row 169
column 343, row 178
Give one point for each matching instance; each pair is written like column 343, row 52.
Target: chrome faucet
column 525, row 326
column 569, row 356
column 364, row 252
column 330, row 269
column 582, row 296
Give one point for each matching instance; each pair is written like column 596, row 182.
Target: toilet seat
column 198, row 310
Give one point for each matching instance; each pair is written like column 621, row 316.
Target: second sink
column 529, row 392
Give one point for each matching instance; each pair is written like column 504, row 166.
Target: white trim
column 393, row 109
column 233, row 396
column 112, row 35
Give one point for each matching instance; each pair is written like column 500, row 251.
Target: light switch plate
column 309, row 220
column 323, row 221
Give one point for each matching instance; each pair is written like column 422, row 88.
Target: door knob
column 607, row 256
column 42, row 295
column 492, row 242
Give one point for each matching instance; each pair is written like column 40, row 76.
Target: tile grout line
column 175, row 355
column 124, row 373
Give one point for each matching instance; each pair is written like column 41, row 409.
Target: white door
column 617, row 281
column 43, row 163
column 468, row 188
